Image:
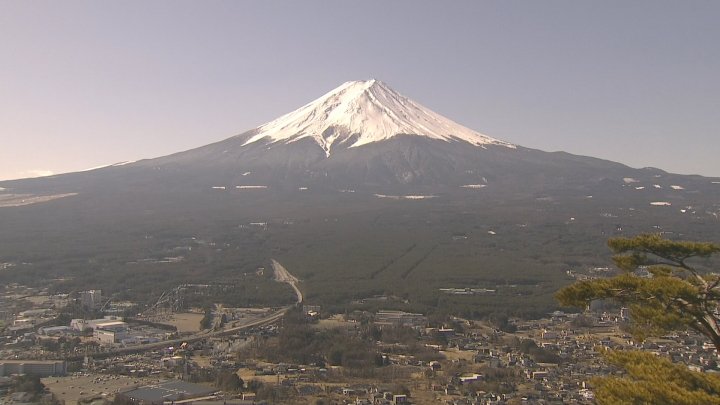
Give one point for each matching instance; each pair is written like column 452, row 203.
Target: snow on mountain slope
column 363, row 112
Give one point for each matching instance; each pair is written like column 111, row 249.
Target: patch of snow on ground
column 474, row 185
column 677, row 187
column 418, row 197
column 250, row 187
column 660, row 203
column 405, row 197
column 629, row 180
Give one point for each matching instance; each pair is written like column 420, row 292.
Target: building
column 468, row 378
column 108, row 331
column 109, row 336
column 549, row 335
column 56, row 331
column 51, row 368
column 400, row 318
column 109, row 323
column 115, row 326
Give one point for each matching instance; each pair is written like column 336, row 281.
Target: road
column 272, row 318
column 284, row 276
column 281, row 275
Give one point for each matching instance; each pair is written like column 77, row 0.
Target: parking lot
column 72, row 388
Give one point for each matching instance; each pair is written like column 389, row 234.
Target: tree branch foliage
column 676, row 296
column 650, row 379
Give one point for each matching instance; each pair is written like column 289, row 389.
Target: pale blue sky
column 87, row 83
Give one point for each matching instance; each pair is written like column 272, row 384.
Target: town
column 272, row 355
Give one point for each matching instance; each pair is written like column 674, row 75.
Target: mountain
column 360, row 192
column 361, row 135
column 362, row 112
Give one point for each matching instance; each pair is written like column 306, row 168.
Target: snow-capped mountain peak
column 362, row 112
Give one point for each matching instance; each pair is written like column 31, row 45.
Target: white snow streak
column 110, row 165
column 405, row 197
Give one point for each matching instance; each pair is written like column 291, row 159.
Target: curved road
column 284, row 276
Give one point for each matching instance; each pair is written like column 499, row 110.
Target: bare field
column 456, row 355
column 185, row 322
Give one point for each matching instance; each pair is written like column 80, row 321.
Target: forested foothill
column 348, row 247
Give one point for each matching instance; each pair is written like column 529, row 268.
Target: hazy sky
column 87, row 83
